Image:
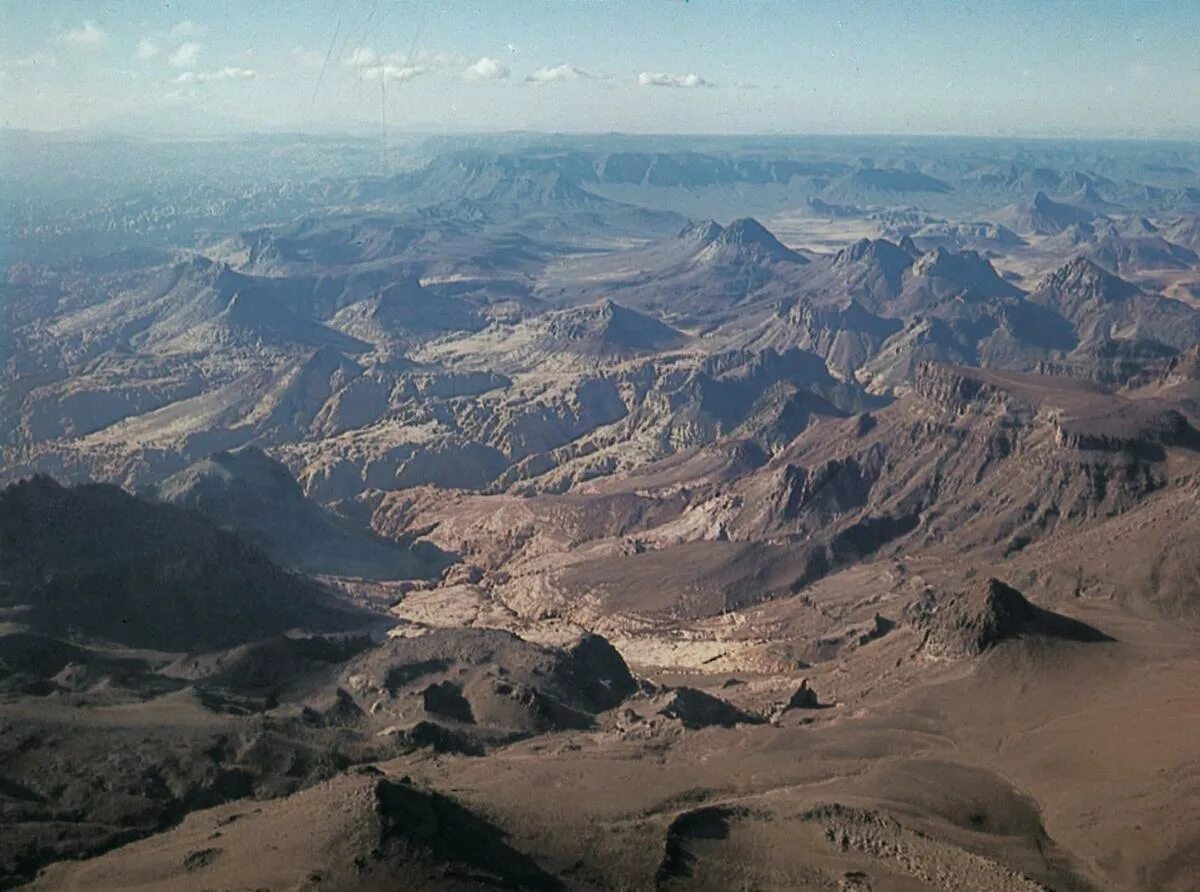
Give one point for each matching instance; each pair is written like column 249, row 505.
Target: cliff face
column 961, row 390
column 981, row 459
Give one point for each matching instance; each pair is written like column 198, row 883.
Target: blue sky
column 1031, row 68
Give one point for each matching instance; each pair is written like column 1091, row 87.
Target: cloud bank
column 555, row 74
column 658, row 79
column 89, row 36
column 228, row 73
column 486, row 69
column 185, row 56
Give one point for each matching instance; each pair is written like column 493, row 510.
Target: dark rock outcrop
column 696, row 709
column 978, row 620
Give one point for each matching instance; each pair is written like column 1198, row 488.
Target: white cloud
column 430, row 59
column 307, row 58
column 657, row 79
column 486, row 69
column 363, row 57
column 186, row 28
column 147, row 49
column 228, row 73
column 557, row 74
column 392, row 72
column 371, row 66
column 186, row 55
column 178, row 97
column 89, row 36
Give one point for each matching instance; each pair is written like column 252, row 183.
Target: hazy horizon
column 1024, row 70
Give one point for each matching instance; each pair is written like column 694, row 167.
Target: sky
column 1081, row 68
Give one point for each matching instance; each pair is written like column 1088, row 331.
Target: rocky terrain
column 567, row 512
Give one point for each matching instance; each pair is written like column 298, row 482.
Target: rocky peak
column 247, row 471
column 887, row 254
column 965, row 271
column 1087, row 194
column 1140, row 227
column 935, row 262
column 607, row 324
column 704, row 232
column 909, row 247
column 748, row 231
column 1082, row 279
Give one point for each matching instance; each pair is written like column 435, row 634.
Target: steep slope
column 699, row 277
column 942, row 275
column 1121, row 253
column 897, row 280
column 877, row 310
column 984, row 457
column 95, row 561
column 1184, row 231
column 403, row 314
column 972, row 622
column 199, row 305
column 586, row 337
column 1101, row 305
column 1044, row 216
column 846, row 335
column 251, row 494
column 360, row 830
column 970, row 459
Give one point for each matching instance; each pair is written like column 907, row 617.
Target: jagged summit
column 703, row 231
column 1087, row 196
column 1083, row 279
column 747, row 231
column 888, row 253
column 966, row 270
column 1045, row 216
column 743, row 240
column 877, row 257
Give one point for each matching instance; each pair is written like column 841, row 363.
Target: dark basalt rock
column 446, row 699
column 696, row 709
column 804, row 697
column 979, row 620
column 598, row 673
